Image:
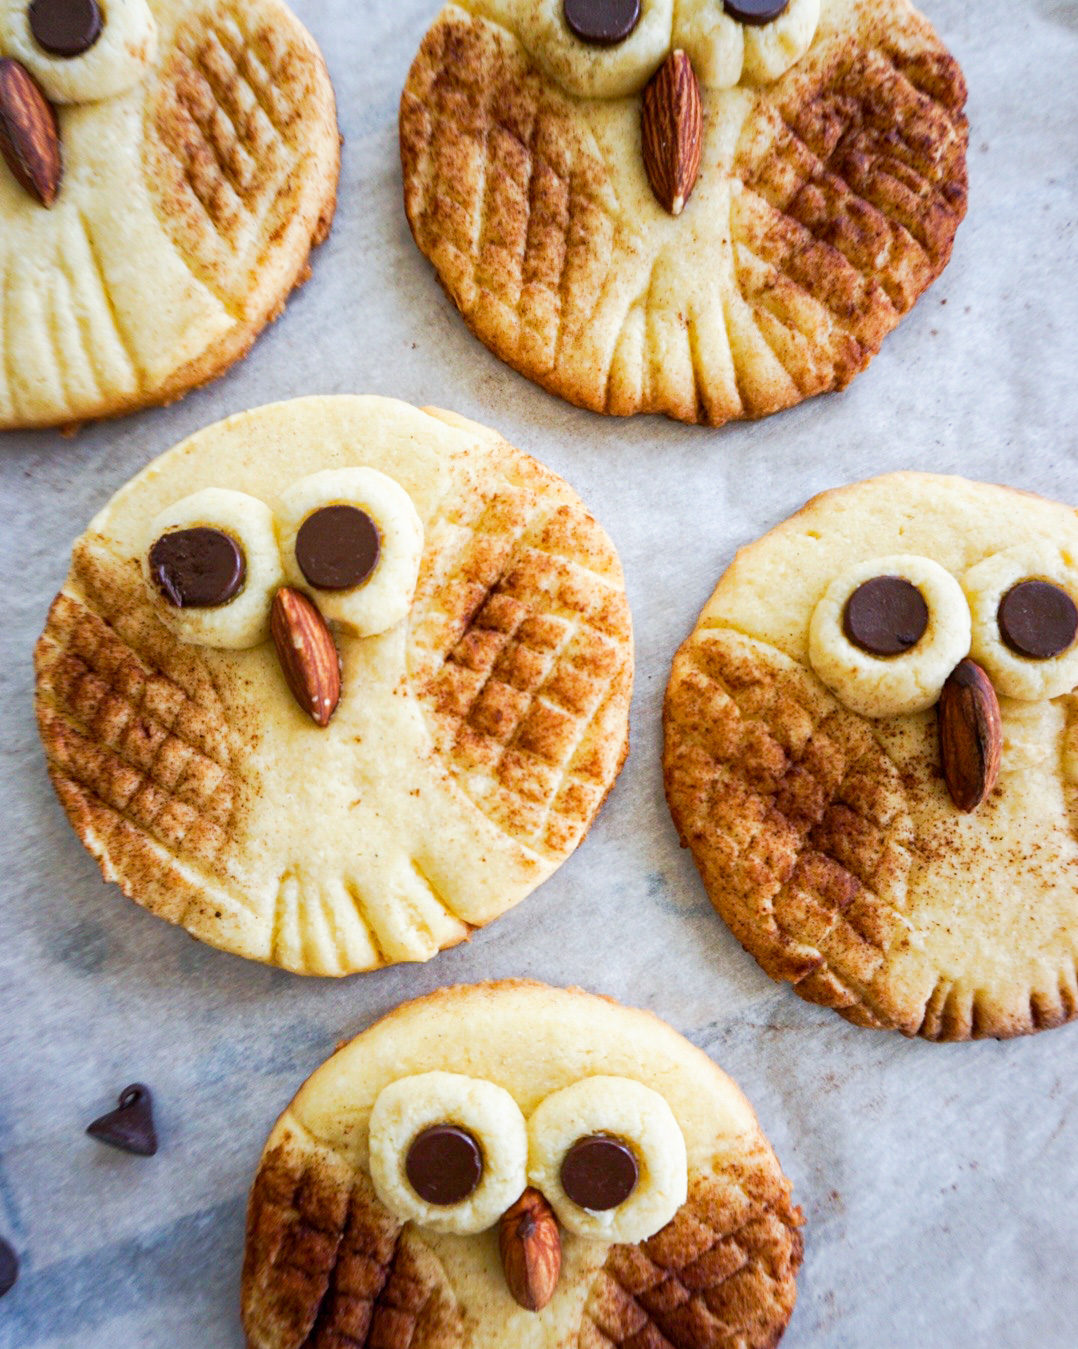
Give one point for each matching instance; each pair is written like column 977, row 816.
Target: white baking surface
column 940, row 1183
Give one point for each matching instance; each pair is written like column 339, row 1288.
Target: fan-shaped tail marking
column 116, row 329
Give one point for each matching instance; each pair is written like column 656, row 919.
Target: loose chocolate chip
column 65, row 27
column 9, row 1267
column 885, row 616
column 444, row 1164
column 1038, row 620
column 599, row 1172
column 603, row 23
column 755, row 12
column 130, row 1126
column 198, row 568
column 337, row 547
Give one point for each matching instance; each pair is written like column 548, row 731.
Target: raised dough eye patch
column 65, row 28
column 744, row 41
column 887, row 633
column 198, row 568
column 212, row 568
column 80, row 51
column 338, row 547
column 1025, row 620
column 608, row 1155
column 885, row 616
column 352, row 535
column 1038, row 620
column 448, row 1152
column 603, row 23
column 600, row 49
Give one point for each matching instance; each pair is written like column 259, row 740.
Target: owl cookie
column 168, row 166
column 711, row 209
column 336, row 681
column 872, row 751
column 512, row 1164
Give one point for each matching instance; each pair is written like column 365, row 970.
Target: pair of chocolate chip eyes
column 337, row 548
column 65, row 28
column 887, row 616
column 444, row 1166
column 605, row 23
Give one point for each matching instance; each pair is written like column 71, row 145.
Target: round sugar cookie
column 672, row 207
column 188, row 157
column 330, row 1259
column 879, row 788
column 294, row 789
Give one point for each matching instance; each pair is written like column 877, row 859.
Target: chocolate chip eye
column 885, row 616
column 444, row 1164
column 602, row 23
column 198, row 568
column 755, row 12
column 9, row 1267
column 599, row 1172
column 1038, row 620
column 65, row 28
column 338, row 547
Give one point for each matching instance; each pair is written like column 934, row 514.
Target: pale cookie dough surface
column 201, row 156
column 825, row 837
column 733, row 1248
column 474, row 742
column 832, row 182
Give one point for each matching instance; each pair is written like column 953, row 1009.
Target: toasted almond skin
column 671, row 123
column 307, row 653
column 530, row 1247
column 29, row 132
column 970, row 734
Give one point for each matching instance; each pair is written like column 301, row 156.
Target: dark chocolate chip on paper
column 9, row 1267
column 130, row 1126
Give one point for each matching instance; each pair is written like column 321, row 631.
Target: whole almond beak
column 970, row 735
column 308, row 654
column 671, row 125
column 29, row 132
column 530, row 1247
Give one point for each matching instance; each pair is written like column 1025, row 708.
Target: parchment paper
column 940, row 1183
